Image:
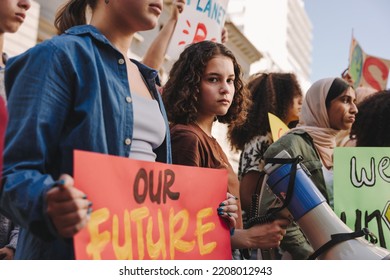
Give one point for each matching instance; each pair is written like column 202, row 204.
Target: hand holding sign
column 228, row 209
column 67, row 207
column 177, row 8
column 148, row 210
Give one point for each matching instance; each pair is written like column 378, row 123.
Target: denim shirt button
column 128, row 99
column 127, row 141
column 121, row 61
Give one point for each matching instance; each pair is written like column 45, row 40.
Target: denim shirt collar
column 88, row 29
column 149, row 73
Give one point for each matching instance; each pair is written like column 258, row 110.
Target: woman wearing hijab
column 328, row 108
column 345, row 138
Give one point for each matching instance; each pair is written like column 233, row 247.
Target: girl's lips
column 224, row 101
column 21, row 16
column 156, row 8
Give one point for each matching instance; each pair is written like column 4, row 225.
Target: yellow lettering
column 151, row 231
column 98, row 240
column 201, row 229
column 175, row 236
column 137, row 216
column 124, row 252
column 154, row 249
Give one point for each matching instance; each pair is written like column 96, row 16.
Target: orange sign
column 146, row 210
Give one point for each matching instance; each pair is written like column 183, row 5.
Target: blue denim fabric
column 64, row 94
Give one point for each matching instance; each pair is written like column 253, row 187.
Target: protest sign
column 278, row 127
column 147, row 210
column 201, row 20
column 367, row 70
column 362, row 190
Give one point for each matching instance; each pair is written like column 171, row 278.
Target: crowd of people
column 80, row 90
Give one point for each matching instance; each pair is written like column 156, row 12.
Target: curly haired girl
column 205, row 85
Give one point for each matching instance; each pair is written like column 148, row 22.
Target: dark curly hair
column 372, row 126
column 273, row 93
column 180, row 93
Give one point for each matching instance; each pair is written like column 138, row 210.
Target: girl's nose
column 25, row 4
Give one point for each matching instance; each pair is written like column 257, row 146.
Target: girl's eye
column 213, row 79
column 230, row 81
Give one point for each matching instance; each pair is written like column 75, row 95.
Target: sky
column 334, row 22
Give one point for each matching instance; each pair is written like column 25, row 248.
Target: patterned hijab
column 315, row 121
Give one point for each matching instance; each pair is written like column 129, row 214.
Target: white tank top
column 149, row 128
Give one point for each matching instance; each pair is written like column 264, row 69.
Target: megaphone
column 330, row 237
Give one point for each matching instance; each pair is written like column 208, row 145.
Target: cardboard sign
column 147, row 211
column 362, row 190
column 278, row 127
column 367, row 70
column 201, row 20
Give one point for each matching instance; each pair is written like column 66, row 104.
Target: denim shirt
column 70, row 92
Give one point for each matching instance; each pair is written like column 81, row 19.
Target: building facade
column 281, row 30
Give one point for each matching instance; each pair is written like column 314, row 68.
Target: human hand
column 224, row 35
column 67, row 207
column 228, row 210
column 177, row 8
column 268, row 235
column 6, row 253
column 347, row 77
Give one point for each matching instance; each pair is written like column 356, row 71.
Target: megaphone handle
column 291, row 183
column 338, row 238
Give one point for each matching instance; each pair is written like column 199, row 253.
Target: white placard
column 201, row 20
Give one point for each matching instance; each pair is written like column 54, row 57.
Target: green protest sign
column 362, row 190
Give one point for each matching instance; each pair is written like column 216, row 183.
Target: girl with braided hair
column 281, row 95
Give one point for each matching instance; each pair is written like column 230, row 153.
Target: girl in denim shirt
column 79, row 91
column 12, row 15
